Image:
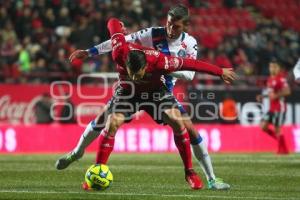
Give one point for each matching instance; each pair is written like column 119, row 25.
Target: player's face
column 174, row 27
column 274, row 69
column 137, row 75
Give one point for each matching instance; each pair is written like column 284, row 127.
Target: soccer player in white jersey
column 170, row 40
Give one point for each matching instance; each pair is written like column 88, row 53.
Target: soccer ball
column 98, row 177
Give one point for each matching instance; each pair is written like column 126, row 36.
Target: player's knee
column 264, row 126
column 173, row 115
column 193, row 133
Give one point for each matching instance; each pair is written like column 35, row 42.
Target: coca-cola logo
column 17, row 112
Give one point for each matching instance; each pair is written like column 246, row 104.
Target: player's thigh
column 266, row 120
column 279, row 119
column 193, row 133
column 102, row 118
column 114, row 121
column 173, row 118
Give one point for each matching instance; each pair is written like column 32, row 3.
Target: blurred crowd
column 37, row 36
column 251, row 51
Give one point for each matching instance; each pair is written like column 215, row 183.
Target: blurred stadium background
column 38, row 36
column 45, row 101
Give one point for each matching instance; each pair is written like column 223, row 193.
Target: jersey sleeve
column 192, row 48
column 118, row 43
column 191, row 52
column 170, row 64
column 143, row 37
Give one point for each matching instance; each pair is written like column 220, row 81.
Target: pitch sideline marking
column 146, row 194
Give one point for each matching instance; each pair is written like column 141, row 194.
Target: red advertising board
column 141, row 138
column 17, row 102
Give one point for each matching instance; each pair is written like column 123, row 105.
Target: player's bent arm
column 143, row 36
column 118, row 42
column 284, row 92
column 105, row 47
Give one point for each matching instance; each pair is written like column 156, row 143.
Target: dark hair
column 275, row 61
column 136, row 60
column 179, row 12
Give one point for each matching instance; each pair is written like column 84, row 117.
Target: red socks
column 183, row 145
column 106, row 146
column 272, row 133
column 282, row 146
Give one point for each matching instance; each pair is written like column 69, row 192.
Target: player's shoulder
column 189, row 39
column 158, row 31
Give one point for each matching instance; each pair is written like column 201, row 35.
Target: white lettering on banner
column 212, row 140
column 15, row 112
column 144, row 140
column 10, row 140
column 1, row 139
column 204, row 136
column 215, row 136
column 296, row 133
column 160, row 140
column 120, row 141
column 131, row 138
column 172, row 143
column 251, row 108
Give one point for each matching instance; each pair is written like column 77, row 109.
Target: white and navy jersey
column 156, row 37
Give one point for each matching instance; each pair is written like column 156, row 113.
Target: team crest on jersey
column 181, row 53
column 174, row 63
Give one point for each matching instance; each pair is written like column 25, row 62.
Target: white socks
column 87, row 137
column 201, row 154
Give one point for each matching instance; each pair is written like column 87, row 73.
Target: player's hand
column 79, row 54
column 228, row 75
column 259, row 98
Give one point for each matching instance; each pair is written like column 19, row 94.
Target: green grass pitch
column 151, row 176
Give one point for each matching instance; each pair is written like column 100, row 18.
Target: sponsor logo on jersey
column 181, row 53
column 174, row 63
column 152, row 53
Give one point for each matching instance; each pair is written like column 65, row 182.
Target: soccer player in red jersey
column 278, row 89
column 140, row 70
column 170, row 40
column 143, row 68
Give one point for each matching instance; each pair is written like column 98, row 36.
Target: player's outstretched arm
column 79, row 54
column 106, row 47
column 171, row 64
